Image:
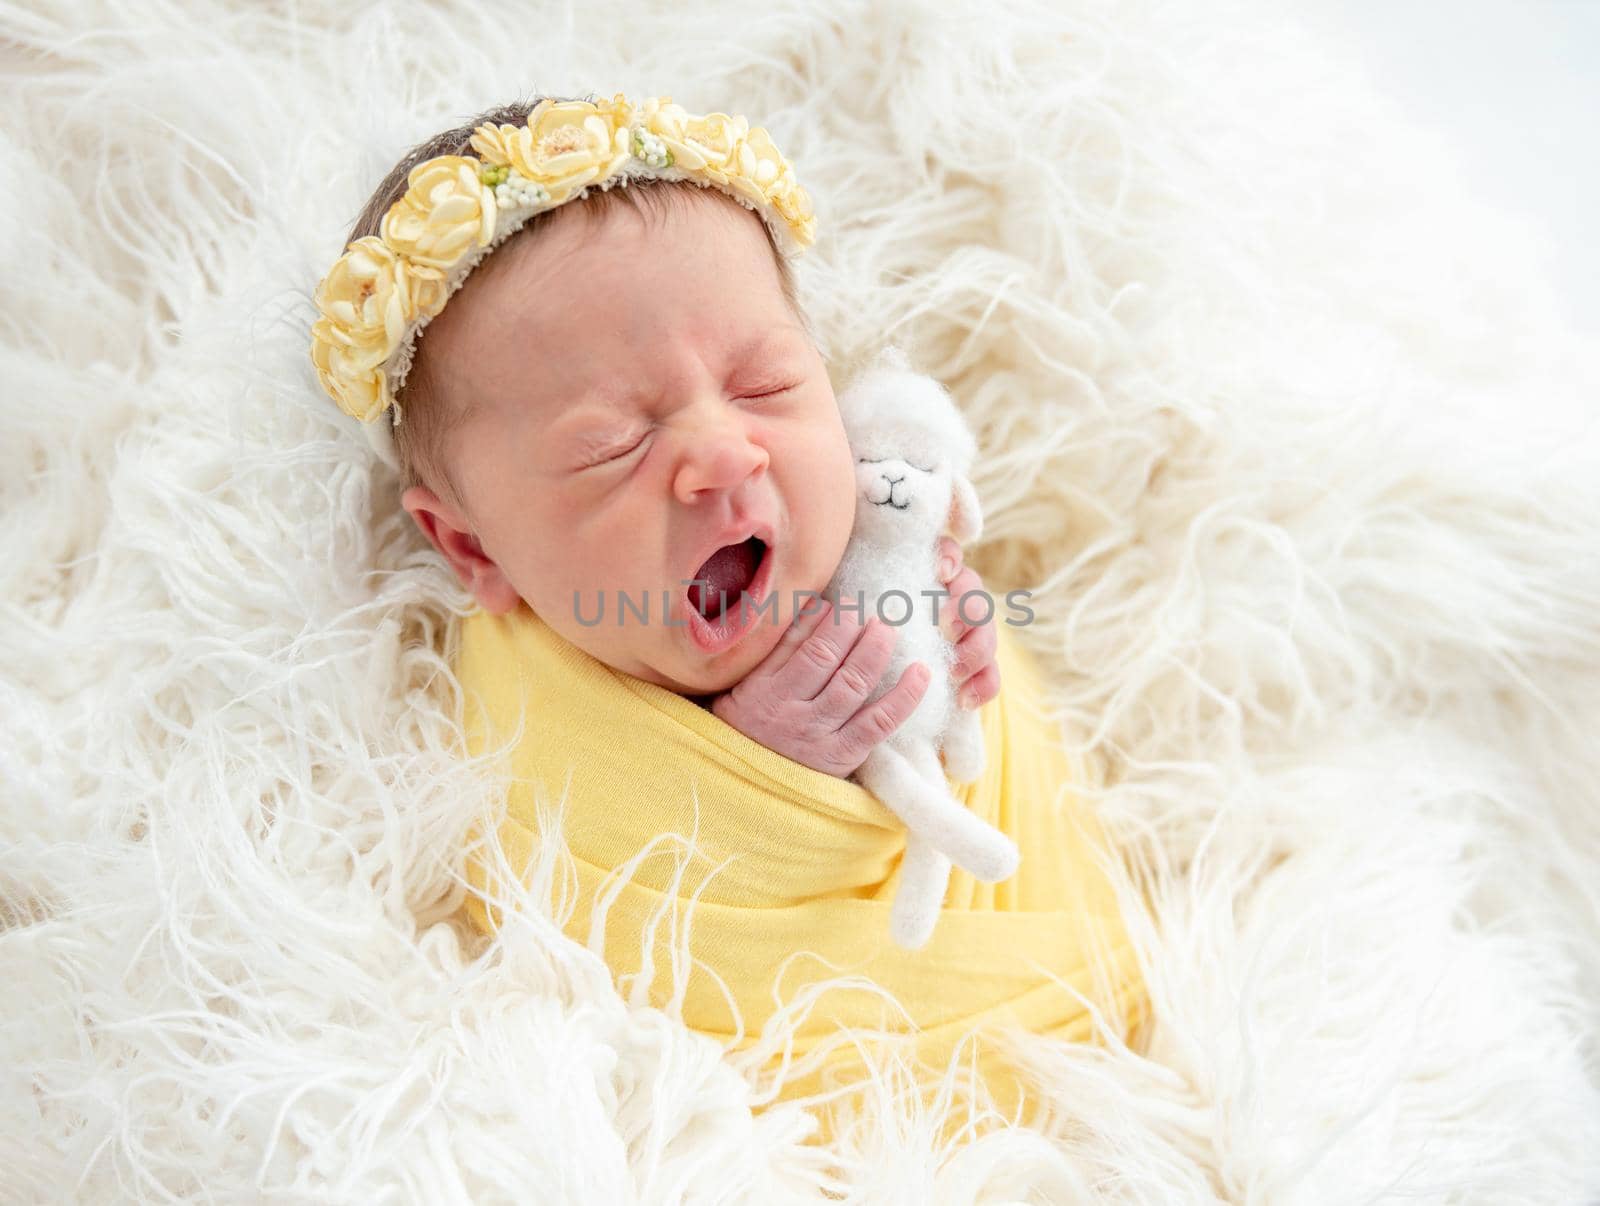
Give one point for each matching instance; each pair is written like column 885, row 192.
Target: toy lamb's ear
column 966, row 517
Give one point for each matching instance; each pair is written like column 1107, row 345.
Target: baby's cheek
column 838, row 493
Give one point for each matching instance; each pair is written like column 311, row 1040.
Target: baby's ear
column 966, row 517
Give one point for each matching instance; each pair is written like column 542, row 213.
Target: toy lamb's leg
column 924, row 877
column 919, row 796
column 991, row 855
column 963, row 748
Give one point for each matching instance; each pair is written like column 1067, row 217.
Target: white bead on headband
column 385, row 288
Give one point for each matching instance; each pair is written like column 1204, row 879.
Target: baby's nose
column 717, row 457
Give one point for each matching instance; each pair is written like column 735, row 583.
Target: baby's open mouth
column 724, row 576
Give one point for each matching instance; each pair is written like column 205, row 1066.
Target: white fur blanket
column 1282, row 433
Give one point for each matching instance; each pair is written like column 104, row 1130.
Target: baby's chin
column 693, row 672
column 734, row 665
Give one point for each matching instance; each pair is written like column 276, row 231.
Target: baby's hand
column 975, row 675
column 805, row 698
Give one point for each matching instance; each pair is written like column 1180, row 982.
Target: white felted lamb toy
column 913, row 453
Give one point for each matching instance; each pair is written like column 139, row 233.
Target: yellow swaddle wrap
column 812, row 862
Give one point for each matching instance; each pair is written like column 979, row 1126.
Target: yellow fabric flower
column 567, row 145
column 618, row 111
column 493, row 143
column 795, row 208
column 660, row 116
column 446, row 206
column 761, row 173
column 709, row 144
column 705, row 143
column 359, row 391
column 368, row 301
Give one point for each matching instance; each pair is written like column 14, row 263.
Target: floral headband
column 384, row 289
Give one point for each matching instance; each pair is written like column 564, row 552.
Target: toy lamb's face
column 911, row 450
column 901, row 495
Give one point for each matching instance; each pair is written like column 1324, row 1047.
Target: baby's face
column 645, row 395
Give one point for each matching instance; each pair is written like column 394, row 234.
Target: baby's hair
column 420, row 439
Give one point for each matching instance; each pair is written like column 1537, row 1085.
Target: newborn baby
column 621, row 436
column 627, row 402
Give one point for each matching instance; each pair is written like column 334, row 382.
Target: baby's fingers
column 975, row 651
column 805, row 623
column 878, row 720
column 949, row 559
column 820, row 659
column 858, row 675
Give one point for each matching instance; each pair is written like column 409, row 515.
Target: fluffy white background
column 1287, row 439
